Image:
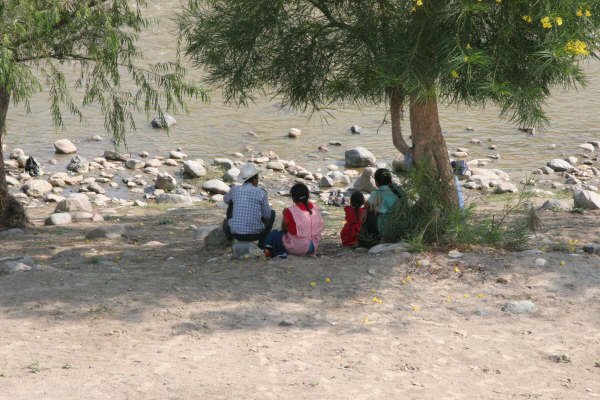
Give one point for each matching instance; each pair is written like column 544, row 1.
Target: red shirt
column 350, row 230
column 289, row 219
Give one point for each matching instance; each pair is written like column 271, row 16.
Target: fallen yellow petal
column 313, row 284
column 327, row 280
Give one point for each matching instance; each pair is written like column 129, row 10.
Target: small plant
column 95, row 260
column 67, row 366
column 576, row 210
column 34, row 367
column 166, row 221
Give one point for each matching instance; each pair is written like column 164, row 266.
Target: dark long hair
column 383, row 176
column 357, row 200
column 300, row 194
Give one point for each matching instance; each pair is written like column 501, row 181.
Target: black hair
column 300, row 194
column 357, row 200
column 251, row 178
column 383, row 176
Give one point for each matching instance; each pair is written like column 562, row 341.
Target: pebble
column 519, row 307
column 455, row 254
column 540, row 262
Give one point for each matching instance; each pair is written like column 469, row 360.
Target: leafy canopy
column 314, row 53
column 41, row 39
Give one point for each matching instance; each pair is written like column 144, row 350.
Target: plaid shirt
column 250, row 206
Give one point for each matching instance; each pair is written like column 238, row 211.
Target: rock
column 224, row 163
column 547, row 170
column 587, row 147
column 79, row 165
column 559, row 358
column 59, row 219
column 11, row 164
column 389, row 248
column 11, row 181
column 366, row 181
column 326, row 182
column 134, row 163
column 210, row 237
column 173, row 198
column 475, row 141
column 22, row 161
column 16, row 153
column 111, row 155
column 455, row 254
column 20, row 264
column 37, row 187
column 64, row 146
column 75, row 202
column 559, row 165
column 216, row 186
column 193, row 169
column 460, row 154
column 165, row 181
column 519, row 307
column 231, row 175
column 81, row 216
column 12, row 234
column 96, row 188
column 553, row 205
column 359, row 157
column 506, row 187
column 572, row 160
column 586, row 199
column 107, row 232
column 177, row 155
column 245, row 250
column 153, row 163
column 165, row 122
column 294, row 133
column 275, row 165
column 400, row 163
column 96, row 138
column 540, row 262
column 355, row 129
column 592, row 248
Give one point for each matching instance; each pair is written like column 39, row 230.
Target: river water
column 216, row 129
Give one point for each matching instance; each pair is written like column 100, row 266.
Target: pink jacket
column 308, row 226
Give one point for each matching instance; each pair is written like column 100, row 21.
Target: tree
column 41, row 39
column 405, row 53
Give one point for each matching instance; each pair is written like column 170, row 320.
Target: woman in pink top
column 300, row 229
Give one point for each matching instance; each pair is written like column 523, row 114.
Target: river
column 217, row 129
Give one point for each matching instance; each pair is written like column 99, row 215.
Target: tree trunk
column 396, row 109
column 12, row 213
column 429, row 146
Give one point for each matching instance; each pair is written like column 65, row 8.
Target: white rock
column 193, row 169
column 37, row 187
column 216, row 186
column 519, row 307
column 454, row 254
column 359, row 157
column 586, row 199
column 540, row 262
column 366, row 181
column 389, row 248
column 64, row 146
column 275, row 166
column 177, row 155
column 559, row 165
column 294, row 133
column 59, row 219
column 587, row 147
column 162, row 123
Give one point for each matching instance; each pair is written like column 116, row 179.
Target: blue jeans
column 274, row 243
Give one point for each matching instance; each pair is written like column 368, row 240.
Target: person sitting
column 301, row 227
column 379, row 206
column 355, row 214
column 249, row 215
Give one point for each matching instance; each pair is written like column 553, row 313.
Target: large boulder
column 75, row 202
column 135, row 163
column 586, row 199
column 210, row 237
column 224, row 163
column 64, row 146
column 216, row 186
column 37, row 187
column 193, row 169
column 506, row 187
column 559, row 165
column 366, row 181
column 231, row 175
column 172, row 198
column 165, row 181
column 359, row 157
column 163, row 123
column 59, row 219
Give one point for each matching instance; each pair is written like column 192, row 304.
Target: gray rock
column 173, row 199
column 11, row 181
column 216, row 186
column 37, row 187
column 294, row 133
column 11, row 234
column 177, row 155
column 96, row 188
column 59, row 219
column 231, row 175
column 245, row 250
column 586, row 199
column 16, row 153
column 107, row 232
column 165, row 122
column 326, row 182
column 592, row 248
column 21, row 264
column 81, row 216
column 366, row 181
column 52, row 197
column 275, row 165
column 11, row 164
column 165, row 181
column 559, row 165
column 389, row 248
column 519, row 307
column 506, row 187
column 572, row 160
column 587, row 147
column 211, row 237
column 64, row 146
column 359, row 157
column 355, row 129
column 111, row 155
column 134, row 163
column 224, row 163
column 79, row 165
column 553, row 205
column 153, row 163
column 193, row 169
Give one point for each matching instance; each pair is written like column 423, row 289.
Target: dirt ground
column 132, row 319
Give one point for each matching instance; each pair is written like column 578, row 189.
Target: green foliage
column 422, row 218
column 41, row 39
column 316, row 53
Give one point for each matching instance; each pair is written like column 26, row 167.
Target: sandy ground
column 123, row 320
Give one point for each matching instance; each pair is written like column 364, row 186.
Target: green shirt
column 382, row 200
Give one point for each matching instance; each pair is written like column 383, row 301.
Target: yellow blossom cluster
column 547, row 21
column 581, row 13
column 577, row 47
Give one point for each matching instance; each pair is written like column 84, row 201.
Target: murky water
column 216, row 129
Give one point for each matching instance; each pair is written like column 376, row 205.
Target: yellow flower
column 558, row 21
column 468, row 46
column 466, row 58
column 415, row 308
column 419, row 3
column 376, row 300
column 365, row 320
column 327, row 280
column 455, row 74
column 313, row 284
column 527, row 18
column 576, row 48
column 456, row 270
column 588, row 13
column 498, row 1
column 546, row 23
column 579, row 13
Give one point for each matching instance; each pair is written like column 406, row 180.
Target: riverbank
column 151, row 316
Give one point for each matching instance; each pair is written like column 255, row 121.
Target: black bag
column 32, row 167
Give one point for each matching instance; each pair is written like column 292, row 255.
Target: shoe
column 283, row 256
column 267, row 253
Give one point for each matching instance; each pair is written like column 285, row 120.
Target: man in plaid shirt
column 249, row 215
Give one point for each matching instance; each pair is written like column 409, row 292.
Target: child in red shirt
column 355, row 215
